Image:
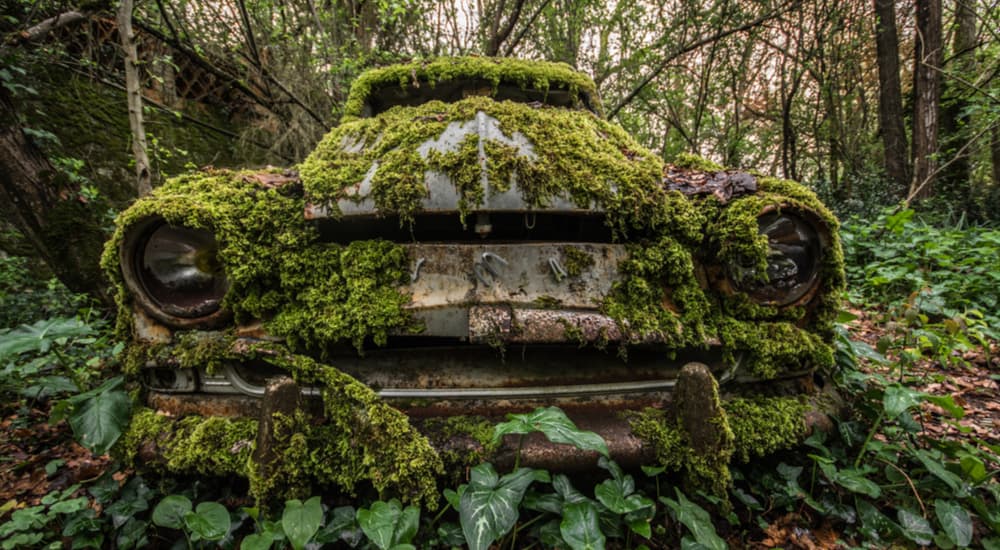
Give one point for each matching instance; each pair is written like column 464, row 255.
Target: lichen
column 537, row 75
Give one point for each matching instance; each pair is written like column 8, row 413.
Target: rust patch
column 724, row 185
column 148, row 329
column 269, row 180
column 549, row 326
column 205, row 405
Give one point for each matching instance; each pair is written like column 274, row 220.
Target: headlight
column 793, row 258
column 174, row 272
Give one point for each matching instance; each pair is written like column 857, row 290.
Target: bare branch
column 681, row 50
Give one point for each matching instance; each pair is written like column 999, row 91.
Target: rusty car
column 473, row 239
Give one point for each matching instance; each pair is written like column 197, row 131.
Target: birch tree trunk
column 133, row 87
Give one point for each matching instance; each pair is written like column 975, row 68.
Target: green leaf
column 257, row 541
column 556, row 426
column 641, row 527
column 388, row 525
column 171, row 510
column 898, row 399
column 915, row 527
column 852, row 480
column 580, row 528
column 301, row 521
column 99, row 421
column 947, row 403
column 488, row 508
column 40, row 336
column 955, row 521
column 935, row 467
column 209, row 521
column 696, row 519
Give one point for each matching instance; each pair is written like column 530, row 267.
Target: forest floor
column 40, row 458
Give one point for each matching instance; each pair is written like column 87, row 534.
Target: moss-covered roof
column 539, row 75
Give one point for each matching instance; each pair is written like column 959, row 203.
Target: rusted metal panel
column 492, row 323
column 147, row 329
column 270, row 180
column 725, row 185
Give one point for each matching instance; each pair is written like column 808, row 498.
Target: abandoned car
column 473, row 239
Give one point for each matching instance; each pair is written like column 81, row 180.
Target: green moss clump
column 576, row 261
column 771, row 348
column 673, row 450
column 763, row 425
column 537, row 75
column 694, row 162
column 212, row 446
column 362, row 439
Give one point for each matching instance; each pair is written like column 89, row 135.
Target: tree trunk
column 133, row 86
column 48, row 210
column 890, row 104
column 956, row 178
column 995, row 155
column 927, row 97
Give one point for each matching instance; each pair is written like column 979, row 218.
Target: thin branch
column 694, row 46
column 39, row 31
column 520, row 35
column 930, row 177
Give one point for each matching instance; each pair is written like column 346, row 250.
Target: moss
column 770, row 348
column 362, row 438
column 673, row 451
column 763, row 425
column 537, row 75
column 695, row 162
column 211, row 446
column 576, row 261
column 575, row 155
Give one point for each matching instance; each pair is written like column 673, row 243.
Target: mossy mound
column 537, row 75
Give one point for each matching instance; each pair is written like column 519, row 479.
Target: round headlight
column 793, row 258
column 175, row 272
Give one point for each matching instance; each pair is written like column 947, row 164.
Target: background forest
column 889, row 110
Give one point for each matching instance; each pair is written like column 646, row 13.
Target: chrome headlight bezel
column 197, row 308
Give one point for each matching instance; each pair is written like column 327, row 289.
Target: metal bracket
column 558, row 271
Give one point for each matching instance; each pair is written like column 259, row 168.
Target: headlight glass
column 180, row 271
column 794, row 251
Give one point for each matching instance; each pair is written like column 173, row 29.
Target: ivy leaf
column 40, row 336
column 556, row 426
column 898, row 399
column 209, row 521
column 580, row 528
column 301, row 521
column 696, row 519
column 488, row 508
column 850, row 479
column 388, row 524
column 171, row 510
column 955, row 521
column 915, row 527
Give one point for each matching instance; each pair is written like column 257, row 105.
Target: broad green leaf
column 257, row 541
column 489, row 506
column 99, row 421
column 947, row 403
column 40, row 336
column 171, row 510
column 209, row 521
column 564, row 488
column 955, row 521
column 342, row 524
column 388, row 524
column 580, row 528
column 641, row 527
column 852, row 480
column 696, row 519
column 301, row 521
column 556, row 426
column 898, row 399
column 915, row 527
column 934, row 466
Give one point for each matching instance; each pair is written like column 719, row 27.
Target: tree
column 890, row 105
column 927, row 96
